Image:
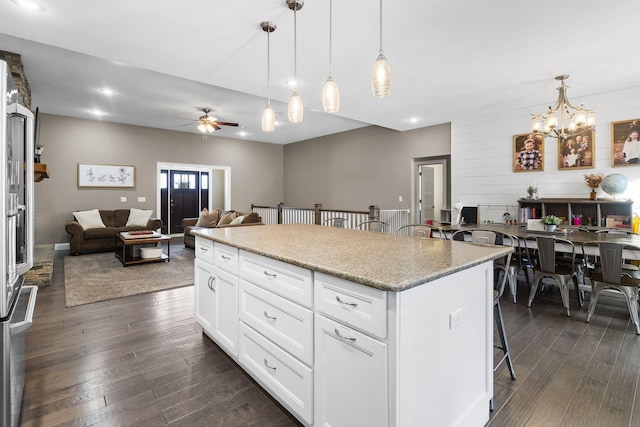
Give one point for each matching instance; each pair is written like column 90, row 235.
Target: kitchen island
column 347, row 327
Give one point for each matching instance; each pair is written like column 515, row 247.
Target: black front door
column 184, row 198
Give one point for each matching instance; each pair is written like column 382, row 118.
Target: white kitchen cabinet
column 351, row 377
column 216, row 298
column 225, row 311
column 205, row 297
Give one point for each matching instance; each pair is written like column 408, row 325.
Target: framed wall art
column 577, row 152
column 106, row 176
column 528, row 153
column 625, row 143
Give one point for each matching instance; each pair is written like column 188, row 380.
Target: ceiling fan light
column 296, row 108
column 202, row 127
column 330, row 96
column 381, row 81
column 268, row 119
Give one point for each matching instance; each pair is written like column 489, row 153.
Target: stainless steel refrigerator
column 17, row 301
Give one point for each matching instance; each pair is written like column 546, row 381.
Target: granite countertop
column 383, row 261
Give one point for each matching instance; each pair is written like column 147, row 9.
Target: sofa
column 216, row 219
column 95, row 230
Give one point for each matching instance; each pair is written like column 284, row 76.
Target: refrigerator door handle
column 28, row 317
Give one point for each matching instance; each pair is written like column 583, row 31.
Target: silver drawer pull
column 210, row 283
column 203, row 249
column 226, row 258
column 272, row 275
column 269, row 317
column 339, row 335
column 266, row 363
column 352, row 304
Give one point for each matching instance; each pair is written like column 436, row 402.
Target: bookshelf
column 594, row 212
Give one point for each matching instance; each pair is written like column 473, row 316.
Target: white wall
column 482, row 165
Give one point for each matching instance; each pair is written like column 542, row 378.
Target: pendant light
column 381, row 81
column 330, row 92
column 296, row 108
column 268, row 115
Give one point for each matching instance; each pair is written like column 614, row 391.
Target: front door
column 184, row 198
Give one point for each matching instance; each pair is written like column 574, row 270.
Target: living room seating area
column 217, row 218
column 94, row 230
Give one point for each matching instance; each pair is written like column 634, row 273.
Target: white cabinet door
column 350, row 381
column 204, row 295
column 225, row 312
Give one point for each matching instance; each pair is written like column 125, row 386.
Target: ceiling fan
column 209, row 123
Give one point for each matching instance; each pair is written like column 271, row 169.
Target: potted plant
column 532, row 190
column 550, row 222
column 576, row 219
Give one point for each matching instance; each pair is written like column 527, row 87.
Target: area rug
column 99, row 277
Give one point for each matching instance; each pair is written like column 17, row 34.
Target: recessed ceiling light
column 97, row 112
column 30, row 5
column 106, row 91
column 242, row 133
column 290, row 82
column 413, row 119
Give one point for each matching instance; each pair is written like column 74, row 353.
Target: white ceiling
column 450, row 59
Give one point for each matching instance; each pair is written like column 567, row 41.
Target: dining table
column 575, row 235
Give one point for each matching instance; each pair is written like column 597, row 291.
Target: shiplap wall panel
column 482, row 159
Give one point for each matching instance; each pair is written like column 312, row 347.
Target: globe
column 614, row 184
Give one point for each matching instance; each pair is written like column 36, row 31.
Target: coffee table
column 125, row 244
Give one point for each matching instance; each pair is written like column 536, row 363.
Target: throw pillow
column 138, row 217
column 208, row 219
column 252, row 217
column 89, row 219
column 227, row 218
column 238, row 220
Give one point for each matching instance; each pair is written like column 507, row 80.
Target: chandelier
column 563, row 120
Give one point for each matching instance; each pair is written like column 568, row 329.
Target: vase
column 550, row 227
column 593, row 195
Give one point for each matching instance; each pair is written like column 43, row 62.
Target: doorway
column 184, row 190
column 432, row 189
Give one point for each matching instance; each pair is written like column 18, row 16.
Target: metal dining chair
column 494, row 238
column 612, row 276
column 373, row 225
column 335, row 222
column 628, row 268
column 557, row 265
column 422, row 230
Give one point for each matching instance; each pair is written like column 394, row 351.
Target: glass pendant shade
column 268, row 119
column 381, row 80
column 296, row 109
column 202, row 128
column 330, row 96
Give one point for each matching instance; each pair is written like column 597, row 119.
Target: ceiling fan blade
column 226, row 124
column 187, row 124
column 216, row 127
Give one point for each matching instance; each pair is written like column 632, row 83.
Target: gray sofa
column 216, row 219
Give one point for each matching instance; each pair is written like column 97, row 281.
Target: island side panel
column 444, row 350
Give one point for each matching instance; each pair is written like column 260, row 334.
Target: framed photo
column 106, row 176
column 625, row 143
column 577, row 152
column 528, row 153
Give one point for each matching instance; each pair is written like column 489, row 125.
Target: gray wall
column 355, row 169
column 256, row 168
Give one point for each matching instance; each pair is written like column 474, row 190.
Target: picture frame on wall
column 625, row 143
column 577, row 152
column 106, row 176
column 528, row 153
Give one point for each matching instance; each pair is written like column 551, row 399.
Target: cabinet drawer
column 282, row 321
column 359, row 306
column 226, row 258
column 287, row 379
column 288, row 281
column 204, row 250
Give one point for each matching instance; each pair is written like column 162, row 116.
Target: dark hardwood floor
column 143, row 361
column 136, row 361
